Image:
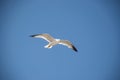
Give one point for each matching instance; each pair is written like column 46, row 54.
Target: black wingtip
column 35, row 35
column 73, row 47
column 32, row 35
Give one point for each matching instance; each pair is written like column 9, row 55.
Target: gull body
column 52, row 42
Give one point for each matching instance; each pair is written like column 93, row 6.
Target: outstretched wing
column 68, row 44
column 45, row 36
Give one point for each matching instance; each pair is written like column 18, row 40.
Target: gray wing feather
column 45, row 36
column 68, row 44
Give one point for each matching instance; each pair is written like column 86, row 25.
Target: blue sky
column 91, row 25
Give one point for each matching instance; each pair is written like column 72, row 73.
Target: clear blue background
column 91, row 25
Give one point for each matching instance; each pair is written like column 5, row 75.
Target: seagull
column 52, row 41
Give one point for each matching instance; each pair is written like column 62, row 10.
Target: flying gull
column 53, row 42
